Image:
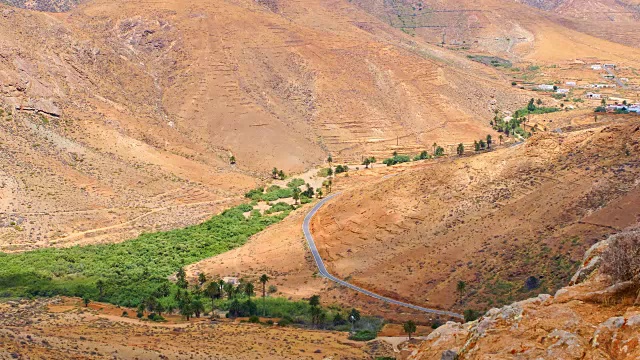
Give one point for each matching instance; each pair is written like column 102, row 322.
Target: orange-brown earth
column 491, row 220
column 599, row 29
column 594, row 318
column 64, row 329
column 121, row 117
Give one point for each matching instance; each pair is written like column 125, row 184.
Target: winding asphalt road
column 323, row 270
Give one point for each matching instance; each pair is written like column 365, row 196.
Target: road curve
column 323, row 270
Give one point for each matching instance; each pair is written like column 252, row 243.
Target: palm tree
column 330, row 160
column 296, row 195
column 202, row 278
column 501, row 138
column 489, row 141
column 316, row 311
column 435, row 145
column 182, row 278
column 460, row 149
column 228, row 288
column 248, row 290
column 409, row 328
column 264, row 279
column 213, row 292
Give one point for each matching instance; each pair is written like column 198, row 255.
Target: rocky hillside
column 43, row 5
column 519, row 30
column 509, row 224
column 593, row 318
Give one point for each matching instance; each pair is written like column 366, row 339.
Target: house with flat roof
column 591, row 95
column 545, row 87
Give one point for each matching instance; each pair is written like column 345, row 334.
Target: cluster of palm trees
column 190, row 300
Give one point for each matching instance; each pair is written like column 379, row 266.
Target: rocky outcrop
column 590, row 319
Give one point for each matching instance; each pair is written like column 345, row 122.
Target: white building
column 231, row 280
column 545, row 87
column 596, row 67
column 562, row 91
column 609, row 66
column 591, row 95
column 571, row 83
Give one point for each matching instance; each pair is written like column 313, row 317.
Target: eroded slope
column 492, row 221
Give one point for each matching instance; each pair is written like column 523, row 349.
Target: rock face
column 573, row 324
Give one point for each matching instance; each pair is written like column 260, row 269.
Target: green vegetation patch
column 272, row 193
column 281, row 206
column 363, row 335
column 396, row 159
column 294, row 183
column 129, row 271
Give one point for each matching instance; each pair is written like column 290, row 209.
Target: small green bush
column 324, row 172
column 397, row 159
column 254, row 319
column 281, row 206
column 155, row 317
column 471, row 315
column 294, row 183
column 245, row 207
column 363, row 335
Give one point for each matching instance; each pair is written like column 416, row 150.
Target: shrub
column 396, row 159
column 532, row 283
column 284, row 322
column 254, row 319
column 471, row 315
column 324, row 172
column 363, row 335
column 621, row 260
column 272, row 289
column 294, row 183
column 304, row 200
column 281, row 206
column 341, row 168
column 155, row 317
column 254, row 194
column 245, row 207
column 125, row 314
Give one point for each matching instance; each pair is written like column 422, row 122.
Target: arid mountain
column 112, row 108
column 43, row 5
column 510, row 223
column 526, row 30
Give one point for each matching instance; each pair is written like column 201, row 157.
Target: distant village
column 602, row 91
